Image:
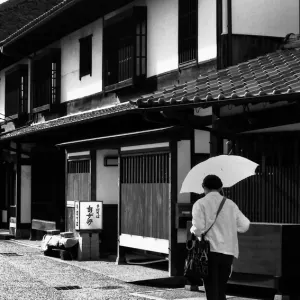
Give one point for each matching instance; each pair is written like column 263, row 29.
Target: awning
column 269, row 78
column 70, row 120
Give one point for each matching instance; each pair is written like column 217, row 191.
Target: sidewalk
column 145, row 281
column 128, row 272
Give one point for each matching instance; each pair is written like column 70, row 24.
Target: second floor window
column 85, row 56
column 188, row 31
column 125, row 49
column 16, row 91
column 46, row 80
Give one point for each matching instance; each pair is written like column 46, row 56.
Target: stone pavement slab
column 31, row 275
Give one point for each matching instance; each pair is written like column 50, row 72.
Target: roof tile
column 273, row 73
column 68, row 120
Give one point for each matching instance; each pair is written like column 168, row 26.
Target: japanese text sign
column 88, row 215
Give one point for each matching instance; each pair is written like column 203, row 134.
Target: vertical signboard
column 88, row 215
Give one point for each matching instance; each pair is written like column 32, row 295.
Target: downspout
column 219, row 32
column 229, row 26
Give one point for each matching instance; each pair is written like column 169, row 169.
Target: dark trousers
column 219, row 271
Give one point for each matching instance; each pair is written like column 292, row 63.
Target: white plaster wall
column 207, row 30
column 202, row 141
column 71, row 86
column 162, row 31
column 184, row 166
column 25, row 194
column 265, row 17
column 107, row 189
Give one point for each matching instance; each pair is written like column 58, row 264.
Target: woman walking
column 223, row 235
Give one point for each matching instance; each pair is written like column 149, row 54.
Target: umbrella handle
column 193, row 245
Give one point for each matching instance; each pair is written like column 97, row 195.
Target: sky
column 1, row 1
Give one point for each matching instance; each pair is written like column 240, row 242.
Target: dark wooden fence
column 272, row 195
column 145, row 190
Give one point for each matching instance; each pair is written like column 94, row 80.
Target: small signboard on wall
column 88, row 215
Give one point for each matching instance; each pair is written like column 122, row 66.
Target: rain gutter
column 288, row 97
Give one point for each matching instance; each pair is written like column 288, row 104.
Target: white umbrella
column 229, row 168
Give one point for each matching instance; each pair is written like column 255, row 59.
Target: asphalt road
column 27, row 274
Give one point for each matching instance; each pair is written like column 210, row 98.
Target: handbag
column 196, row 262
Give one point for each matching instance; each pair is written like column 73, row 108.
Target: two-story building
column 117, row 100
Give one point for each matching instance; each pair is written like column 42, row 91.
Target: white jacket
column 223, row 235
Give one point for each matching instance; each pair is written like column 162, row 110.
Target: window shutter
column 140, row 41
column 46, row 80
column 16, row 91
column 85, row 56
column 125, row 49
column 188, row 30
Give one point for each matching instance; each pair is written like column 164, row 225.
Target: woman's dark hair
column 212, row 182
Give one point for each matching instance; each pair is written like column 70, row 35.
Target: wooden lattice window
column 145, row 168
column 125, row 49
column 79, row 180
column 85, row 58
column 188, row 31
column 46, row 80
column 273, row 194
column 79, row 166
column 16, row 91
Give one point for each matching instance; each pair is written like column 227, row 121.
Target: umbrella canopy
column 229, row 168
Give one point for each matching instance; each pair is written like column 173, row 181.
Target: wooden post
column 66, row 192
column 121, row 250
column 173, row 251
column 216, row 142
column 93, row 175
column 18, row 191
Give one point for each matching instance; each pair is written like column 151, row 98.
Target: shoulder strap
column 219, row 209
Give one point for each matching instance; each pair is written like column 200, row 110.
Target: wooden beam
column 187, row 119
column 216, row 141
column 200, row 123
column 8, row 148
column 93, row 175
column 260, row 119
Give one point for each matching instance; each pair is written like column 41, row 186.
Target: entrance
column 145, row 194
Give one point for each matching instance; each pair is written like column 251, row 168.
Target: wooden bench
column 40, row 225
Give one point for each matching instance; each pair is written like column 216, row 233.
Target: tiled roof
column 26, row 15
column 272, row 74
column 69, row 120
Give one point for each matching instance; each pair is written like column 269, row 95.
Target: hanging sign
column 88, row 215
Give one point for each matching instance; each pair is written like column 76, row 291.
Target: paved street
column 27, row 274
